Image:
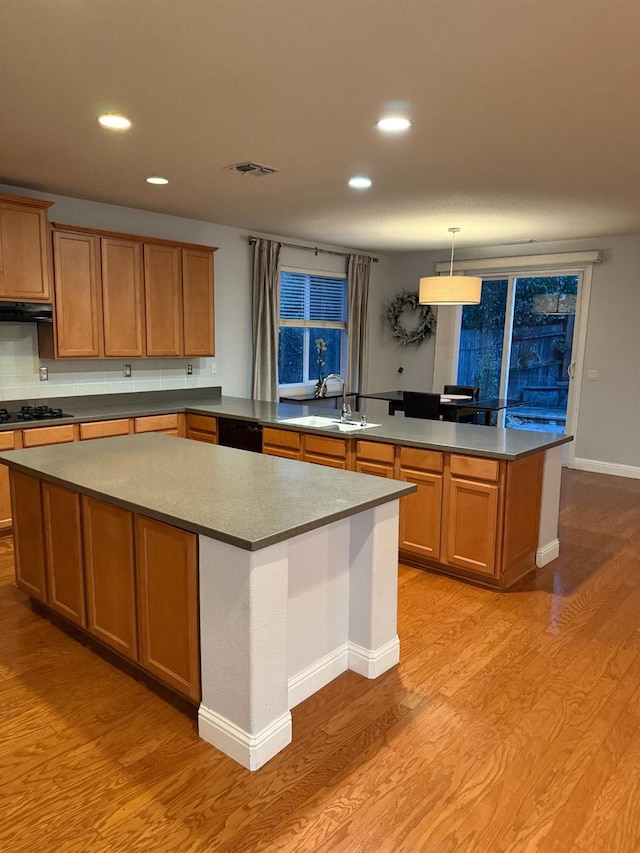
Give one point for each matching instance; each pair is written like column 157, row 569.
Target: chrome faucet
column 346, row 408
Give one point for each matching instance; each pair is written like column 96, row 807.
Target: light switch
column 592, row 374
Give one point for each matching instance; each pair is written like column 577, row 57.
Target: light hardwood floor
column 511, row 724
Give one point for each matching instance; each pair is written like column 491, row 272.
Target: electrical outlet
column 189, row 369
column 214, row 368
column 126, row 370
column 592, row 374
column 44, row 374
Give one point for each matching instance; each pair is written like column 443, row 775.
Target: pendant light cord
column 453, row 231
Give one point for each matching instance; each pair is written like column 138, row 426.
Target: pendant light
column 451, row 289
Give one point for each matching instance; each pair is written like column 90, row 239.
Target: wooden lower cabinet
column 130, row 581
column 8, row 441
column 375, row 458
column 63, row 548
column 28, row 535
column 166, row 424
column 167, row 574
column 105, row 429
column 202, row 428
column 333, row 452
column 282, row 442
column 472, row 526
column 421, row 512
column 41, row 436
column 109, row 563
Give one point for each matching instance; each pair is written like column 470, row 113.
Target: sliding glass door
column 517, row 344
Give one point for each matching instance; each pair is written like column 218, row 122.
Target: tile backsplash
column 20, row 371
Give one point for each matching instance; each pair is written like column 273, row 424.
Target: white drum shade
column 450, row 290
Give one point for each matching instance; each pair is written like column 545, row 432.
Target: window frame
column 298, row 323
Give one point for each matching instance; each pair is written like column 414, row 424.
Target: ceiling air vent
column 250, row 168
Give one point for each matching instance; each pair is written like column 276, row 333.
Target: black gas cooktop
column 31, row 413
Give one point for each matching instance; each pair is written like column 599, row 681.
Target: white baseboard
column 547, row 553
column 252, row 751
column 372, row 663
column 613, row 468
column 309, row 680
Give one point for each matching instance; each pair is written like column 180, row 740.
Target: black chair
column 461, row 416
column 419, row 405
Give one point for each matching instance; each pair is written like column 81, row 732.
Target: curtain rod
column 314, row 249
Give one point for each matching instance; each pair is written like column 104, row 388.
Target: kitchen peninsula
column 245, row 582
column 487, row 500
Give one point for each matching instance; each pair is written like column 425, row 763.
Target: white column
column 243, row 646
column 374, row 646
column 548, row 542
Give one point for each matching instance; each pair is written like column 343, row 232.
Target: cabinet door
column 76, row 268
column 282, row 442
column 377, row 469
column 197, row 300
column 167, row 582
column 24, row 250
column 63, row 547
column 110, row 575
column 471, row 531
column 156, row 423
column 202, row 428
column 421, row 514
column 122, row 297
column 332, row 452
column 7, row 442
column 105, row 429
column 163, row 300
column 28, row 535
column 41, row 436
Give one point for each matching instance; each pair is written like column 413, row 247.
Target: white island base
column 279, row 623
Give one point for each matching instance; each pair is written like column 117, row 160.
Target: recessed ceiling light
column 360, row 182
column 156, row 179
column 394, row 124
column 114, row 122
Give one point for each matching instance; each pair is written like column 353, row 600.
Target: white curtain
column 266, row 315
column 358, row 273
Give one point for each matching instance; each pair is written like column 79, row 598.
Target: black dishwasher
column 245, row 435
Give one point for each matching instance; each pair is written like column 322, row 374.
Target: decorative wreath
column 407, row 301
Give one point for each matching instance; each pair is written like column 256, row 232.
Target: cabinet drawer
column 375, row 451
column 156, row 422
column 281, row 438
column 104, row 429
column 7, row 440
column 474, row 468
column 422, row 460
column 48, row 435
column 317, row 444
column 202, row 423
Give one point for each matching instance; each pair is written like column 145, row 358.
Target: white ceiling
column 526, row 113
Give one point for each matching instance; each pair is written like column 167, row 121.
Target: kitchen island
column 245, row 582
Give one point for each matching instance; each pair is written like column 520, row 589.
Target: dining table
column 450, row 404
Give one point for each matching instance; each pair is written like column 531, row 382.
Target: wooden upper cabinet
column 24, row 249
column 76, row 265
column 163, row 300
column 122, row 297
column 198, row 306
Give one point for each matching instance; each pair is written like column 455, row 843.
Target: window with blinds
column 313, row 326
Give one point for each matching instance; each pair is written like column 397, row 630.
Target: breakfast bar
column 245, row 582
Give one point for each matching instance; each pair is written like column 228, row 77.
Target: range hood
column 26, row 312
